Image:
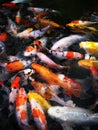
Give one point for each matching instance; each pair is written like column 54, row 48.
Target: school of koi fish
column 48, row 71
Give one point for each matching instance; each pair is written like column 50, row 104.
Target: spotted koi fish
column 37, row 113
column 70, row 55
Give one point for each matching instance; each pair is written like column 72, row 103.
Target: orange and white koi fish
column 30, row 51
column 74, row 84
column 45, row 59
column 12, row 26
column 80, row 23
column 49, row 22
column 46, row 91
column 15, row 66
column 53, row 78
column 40, row 43
column 24, row 33
column 35, row 47
column 65, row 42
column 15, row 85
column 18, row 17
column 21, row 109
column 38, row 113
column 70, row 55
column 90, row 47
column 38, row 33
column 3, row 36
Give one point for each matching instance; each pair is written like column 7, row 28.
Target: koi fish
column 12, row 26
column 71, row 116
column 30, row 51
column 40, row 43
column 65, row 42
column 42, row 101
column 80, row 23
column 46, row 91
column 41, row 10
column 40, row 15
column 15, row 85
column 24, row 33
column 38, row 33
column 15, row 66
column 87, row 63
column 45, row 59
column 3, row 36
column 90, row 47
column 21, row 109
column 49, row 22
column 70, row 55
column 53, row 79
column 38, row 113
column 20, row 1
column 18, row 17
column 9, row 5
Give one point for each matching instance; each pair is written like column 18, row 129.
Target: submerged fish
column 70, row 55
column 38, row 113
column 65, row 42
column 45, row 59
column 90, row 47
column 53, row 78
column 70, row 116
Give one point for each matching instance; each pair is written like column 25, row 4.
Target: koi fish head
column 87, row 44
column 16, row 82
column 86, row 63
column 30, row 51
column 38, row 45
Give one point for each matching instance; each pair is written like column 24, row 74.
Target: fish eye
column 57, row 111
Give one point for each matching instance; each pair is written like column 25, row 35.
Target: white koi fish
column 65, row 42
column 38, row 33
column 73, row 115
column 48, row 61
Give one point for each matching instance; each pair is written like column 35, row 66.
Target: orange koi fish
column 18, row 17
column 38, row 113
column 53, row 78
column 70, row 55
column 21, row 108
column 15, row 66
column 40, row 15
column 9, row 5
column 51, row 23
column 3, row 36
column 46, row 91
